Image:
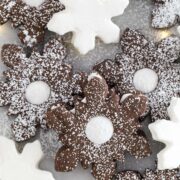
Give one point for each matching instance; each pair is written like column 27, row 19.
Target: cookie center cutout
column 145, row 80
column 99, row 130
column 37, row 92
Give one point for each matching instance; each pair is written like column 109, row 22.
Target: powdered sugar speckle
column 166, row 13
column 47, row 68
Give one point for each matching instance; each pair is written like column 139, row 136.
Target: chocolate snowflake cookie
column 30, row 18
column 33, row 84
column 166, row 13
column 145, row 66
column 99, row 130
column 149, row 175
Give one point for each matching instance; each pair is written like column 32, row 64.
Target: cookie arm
column 96, row 90
column 79, row 82
column 115, row 7
column 12, row 54
column 4, row 96
column 109, row 32
column 84, row 41
column 162, row 16
column 170, row 48
column 59, row 118
column 134, row 106
column 138, row 146
column 48, row 8
column 132, row 42
column 128, row 175
column 42, row 175
column 103, row 171
column 23, row 129
column 5, row 10
column 161, row 174
column 164, row 131
column 66, row 159
column 109, row 70
column 55, row 49
column 31, row 35
column 31, row 150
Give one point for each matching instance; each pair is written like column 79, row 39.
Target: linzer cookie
column 99, row 130
column 166, row 13
column 149, row 175
column 30, row 18
column 33, row 84
column 147, row 67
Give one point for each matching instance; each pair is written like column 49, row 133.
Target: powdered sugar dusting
column 23, row 71
column 72, row 129
column 139, row 53
column 149, row 175
column 166, row 13
column 30, row 17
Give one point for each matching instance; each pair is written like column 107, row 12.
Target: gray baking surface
column 136, row 16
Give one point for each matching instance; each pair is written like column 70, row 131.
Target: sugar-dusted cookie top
column 166, row 13
column 34, row 83
column 147, row 67
column 87, row 20
column 149, row 175
column 30, row 18
column 99, row 130
column 128, row 175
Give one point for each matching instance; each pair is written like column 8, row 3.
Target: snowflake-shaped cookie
column 30, row 20
column 149, row 175
column 166, row 13
column 147, row 67
column 33, row 84
column 24, row 166
column 87, row 20
column 168, row 132
column 99, row 130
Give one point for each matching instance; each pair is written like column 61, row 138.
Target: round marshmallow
column 145, row 80
column 125, row 96
column 37, row 92
column 34, row 3
column 99, row 130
